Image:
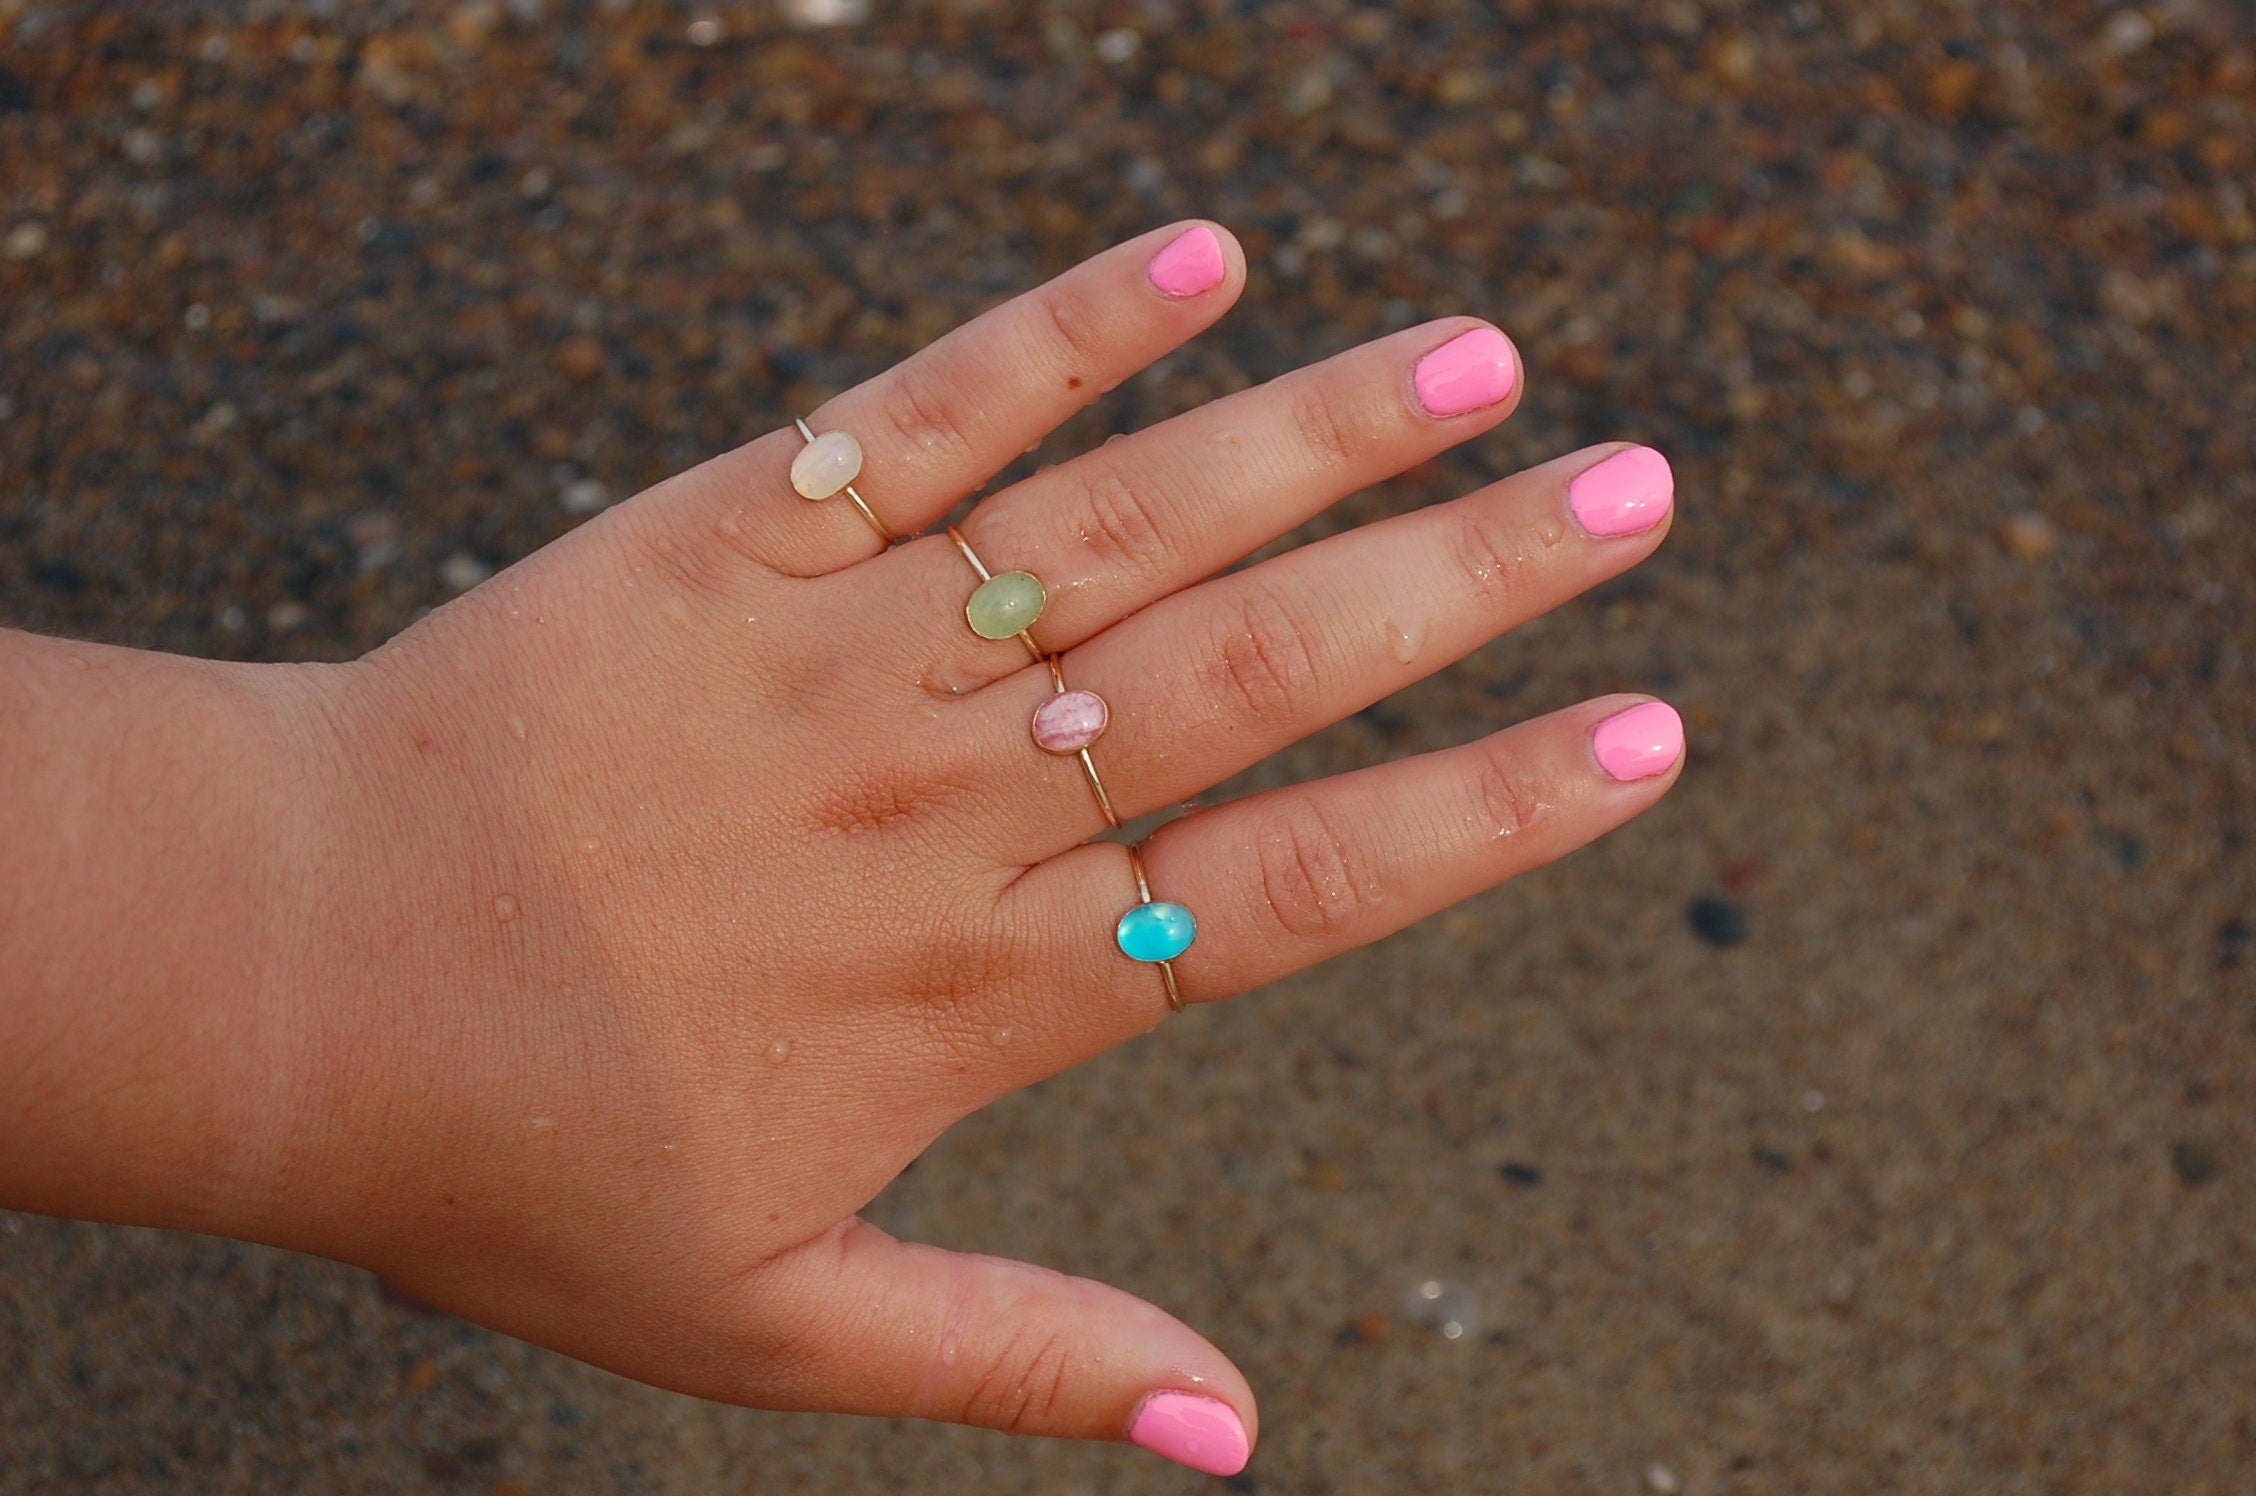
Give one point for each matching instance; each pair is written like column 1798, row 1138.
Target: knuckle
column 1023, row 1383
column 929, row 408
column 961, row 960
column 1309, row 876
column 1263, row 666
column 861, row 803
column 1074, row 330
column 1488, row 548
column 1321, row 425
column 1506, row 798
column 1123, row 530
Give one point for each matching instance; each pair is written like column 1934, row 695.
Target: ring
column 1155, row 930
column 1006, row 603
column 827, row 466
column 1069, row 722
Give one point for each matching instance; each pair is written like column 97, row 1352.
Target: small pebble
column 826, row 12
column 1526, row 1176
column 2029, row 536
column 584, row 496
column 26, row 241
column 463, row 571
column 2194, row 1161
column 1717, row 920
column 579, row 358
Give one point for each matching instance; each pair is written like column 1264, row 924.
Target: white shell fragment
column 826, row 465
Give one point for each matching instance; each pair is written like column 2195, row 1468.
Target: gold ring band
column 848, row 489
column 1088, row 764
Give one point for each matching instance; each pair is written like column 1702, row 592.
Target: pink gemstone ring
column 1068, row 724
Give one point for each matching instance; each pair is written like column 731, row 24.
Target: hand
column 662, row 898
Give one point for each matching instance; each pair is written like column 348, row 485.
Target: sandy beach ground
column 1877, row 1115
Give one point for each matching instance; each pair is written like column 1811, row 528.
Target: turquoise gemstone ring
column 1155, row 930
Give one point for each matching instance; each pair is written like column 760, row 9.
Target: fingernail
column 1192, row 1430
column 1628, row 492
column 1469, row 371
column 1639, row 743
column 1192, row 262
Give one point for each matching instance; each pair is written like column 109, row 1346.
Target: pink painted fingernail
column 1469, row 371
column 1192, row 262
column 1639, row 743
column 1191, row 1430
column 1628, row 492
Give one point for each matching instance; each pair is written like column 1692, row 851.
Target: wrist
column 153, row 834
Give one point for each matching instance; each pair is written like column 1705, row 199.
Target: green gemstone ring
column 1006, row 603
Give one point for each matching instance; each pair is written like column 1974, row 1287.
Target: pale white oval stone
column 826, row 465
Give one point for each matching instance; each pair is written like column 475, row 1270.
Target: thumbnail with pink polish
column 1628, row 492
column 1200, row 1432
column 1469, row 371
column 1637, row 744
column 1192, row 262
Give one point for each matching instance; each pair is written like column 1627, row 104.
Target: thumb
column 858, row 1322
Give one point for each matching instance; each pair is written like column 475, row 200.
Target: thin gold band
column 1033, row 650
column 867, row 513
column 1088, row 764
column 1143, row 888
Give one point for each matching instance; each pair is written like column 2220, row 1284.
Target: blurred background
column 1879, row 1114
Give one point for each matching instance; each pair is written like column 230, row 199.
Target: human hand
column 665, row 896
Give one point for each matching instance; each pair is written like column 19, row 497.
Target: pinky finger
column 1281, row 880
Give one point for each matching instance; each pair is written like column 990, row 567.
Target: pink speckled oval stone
column 1070, row 721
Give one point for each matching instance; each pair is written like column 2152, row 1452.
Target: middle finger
column 1142, row 517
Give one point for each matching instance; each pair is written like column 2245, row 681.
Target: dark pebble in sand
column 2233, row 938
column 1717, row 920
column 2195, row 1161
column 1525, row 1175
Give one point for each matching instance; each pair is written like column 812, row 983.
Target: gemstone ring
column 1155, row 930
column 1006, row 603
column 1068, row 723
column 827, row 466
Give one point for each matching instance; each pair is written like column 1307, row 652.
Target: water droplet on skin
column 676, row 608
column 779, row 1051
column 951, row 1347
column 505, row 907
column 517, row 728
column 999, row 1036
column 1550, row 530
column 1403, row 640
column 667, row 1147
column 732, row 523
column 541, row 1124
column 590, row 845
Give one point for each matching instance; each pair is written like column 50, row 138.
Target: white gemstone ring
column 827, row 466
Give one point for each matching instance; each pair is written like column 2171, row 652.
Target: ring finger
column 1287, row 878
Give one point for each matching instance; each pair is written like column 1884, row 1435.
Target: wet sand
column 1873, row 1116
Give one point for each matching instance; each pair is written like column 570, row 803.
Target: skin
column 584, row 958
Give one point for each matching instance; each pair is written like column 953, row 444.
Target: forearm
column 150, row 811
